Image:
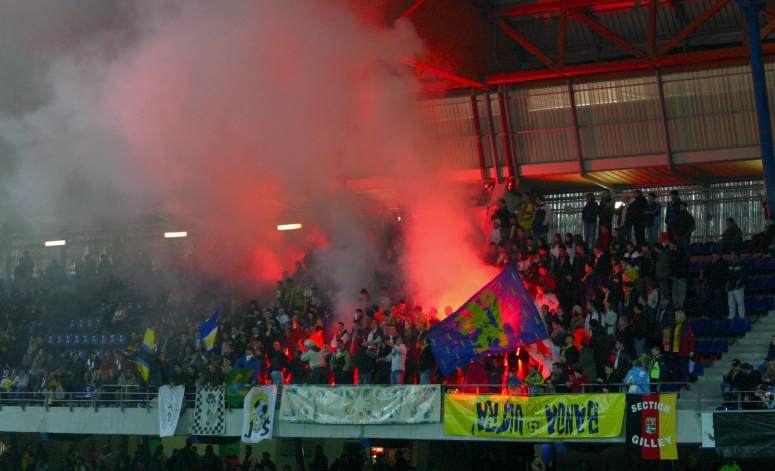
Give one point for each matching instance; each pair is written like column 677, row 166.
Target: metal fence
column 115, row 396
column 710, row 207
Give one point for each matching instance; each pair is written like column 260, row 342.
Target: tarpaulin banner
column 566, row 417
column 742, row 434
column 361, row 405
column 258, row 414
column 209, row 411
column 500, row 317
column 170, row 403
column 651, row 426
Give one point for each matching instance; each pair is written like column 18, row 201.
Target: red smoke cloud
column 242, row 115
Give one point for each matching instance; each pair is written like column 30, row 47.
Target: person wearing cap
column 313, row 356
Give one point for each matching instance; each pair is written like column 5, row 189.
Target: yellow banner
column 560, row 417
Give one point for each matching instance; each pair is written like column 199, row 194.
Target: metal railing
column 109, row 395
column 115, row 396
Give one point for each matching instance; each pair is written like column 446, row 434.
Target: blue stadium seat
column 94, row 340
column 702, row 347
column 740, row 326
column 702, row 327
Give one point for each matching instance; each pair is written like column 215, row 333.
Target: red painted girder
column 625, row 65
column 462, row 81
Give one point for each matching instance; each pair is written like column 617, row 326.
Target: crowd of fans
column 613, row 295
column 189, row 458
column 746, row 386
column 612, row 299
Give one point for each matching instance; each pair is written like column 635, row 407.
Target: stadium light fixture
column 175, row 235
column 54, row 243
column 289, row 227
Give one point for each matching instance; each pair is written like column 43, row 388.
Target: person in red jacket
column 679, row 347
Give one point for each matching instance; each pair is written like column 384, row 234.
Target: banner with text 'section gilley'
column 566, row 417
column 651, row 426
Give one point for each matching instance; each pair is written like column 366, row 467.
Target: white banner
column 361, row 405
column 170, row 403
column 258, row 414
column 708, row 432
column 210, row 411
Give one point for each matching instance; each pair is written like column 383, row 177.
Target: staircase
column 752, row 348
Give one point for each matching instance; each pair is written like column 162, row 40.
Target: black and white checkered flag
column 210, row 411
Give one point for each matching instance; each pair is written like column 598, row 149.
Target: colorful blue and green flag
column 499, row 317
column 238, row 384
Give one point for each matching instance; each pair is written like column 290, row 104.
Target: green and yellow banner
column 563, row 417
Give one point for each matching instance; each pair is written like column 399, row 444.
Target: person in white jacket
column 397, row 360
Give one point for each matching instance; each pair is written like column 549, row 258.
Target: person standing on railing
column 341, row 364
column 735, row 287
column 313, row 356
column 426, row 362
column 542, row 218
column 365, row 361
column 652, row 219
column 277, row 363
column 589, row 214
column 637, row 218
column 397, row 358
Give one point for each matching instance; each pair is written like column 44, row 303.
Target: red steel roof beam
column 417, row 4
column 692, row 27
column 524, row 42
column 462, row 81
column 605, row 32
column 626, row 65
column 555, row 6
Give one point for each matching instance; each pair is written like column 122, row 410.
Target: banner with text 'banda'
column 565, row 417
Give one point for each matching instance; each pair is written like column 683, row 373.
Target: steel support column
column 663, row 119
column 478, row 131
column 493, row 138
column 505, row 128
column 576, row 133
column 751, row 9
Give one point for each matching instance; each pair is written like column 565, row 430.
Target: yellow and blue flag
column 143, row 367
column 149, row 341
column 208, row 332
column 499, row 317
